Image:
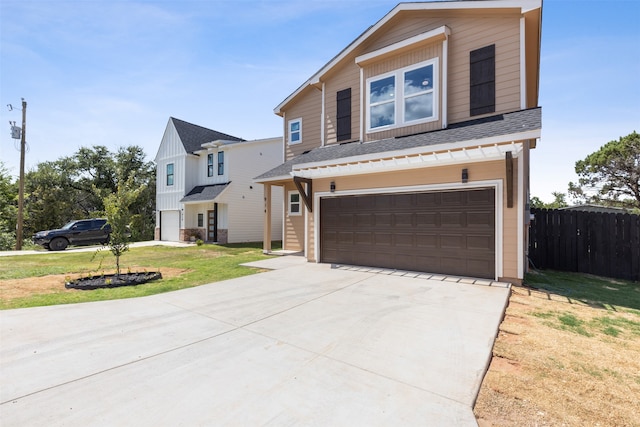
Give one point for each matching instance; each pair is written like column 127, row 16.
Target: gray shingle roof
column 203, row 193
column 498, row 125
column 193, row 136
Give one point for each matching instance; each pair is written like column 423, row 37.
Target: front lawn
column 566, row 354
column 37, row 280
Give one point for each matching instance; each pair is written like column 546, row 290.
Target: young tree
column 118, row 215
column 611, row 175
column 8, row 209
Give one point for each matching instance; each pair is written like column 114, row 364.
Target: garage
column 170, row 226
column 447, row 232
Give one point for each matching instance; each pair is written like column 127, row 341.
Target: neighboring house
column 204, row 185
column 410, row 149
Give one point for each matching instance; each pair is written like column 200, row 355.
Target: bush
column 7, row 241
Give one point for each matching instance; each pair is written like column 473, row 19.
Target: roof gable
column 522, row 5
column 193, row 136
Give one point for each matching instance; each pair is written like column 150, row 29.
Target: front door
column 212, row 226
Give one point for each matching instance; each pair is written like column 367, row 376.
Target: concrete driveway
column 305, row 344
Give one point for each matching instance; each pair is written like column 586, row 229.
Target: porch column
column 266, row 238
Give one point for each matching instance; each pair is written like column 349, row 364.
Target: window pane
column 382, row 90
column 295, row 136
column 295, row 208
column 419, row 80
column 295, row 198
column 418, row 107
column 382, row 115
column 295, row 126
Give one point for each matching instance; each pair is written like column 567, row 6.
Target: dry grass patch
column 11, row 289
column 561, row 362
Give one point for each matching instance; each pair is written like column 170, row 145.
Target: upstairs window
column 210, row 164
column 403, row 97
column 482, row 93
column 170, row 174
column 220, row 162
column 295, row 131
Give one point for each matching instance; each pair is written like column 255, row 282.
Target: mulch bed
column 112, row 280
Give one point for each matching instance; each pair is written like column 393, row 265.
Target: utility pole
column 21, row 184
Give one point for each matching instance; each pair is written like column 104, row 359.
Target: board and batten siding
column 244, row 199
column 171, row 150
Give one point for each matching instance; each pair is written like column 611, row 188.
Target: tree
column 72, row 187
column 8, row 209
column 117, row 211
column 611, row 175
column 558, row 202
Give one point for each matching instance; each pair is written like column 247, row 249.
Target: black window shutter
column 343, row 115
column 483, row 80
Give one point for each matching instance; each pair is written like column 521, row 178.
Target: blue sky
column 112, row 72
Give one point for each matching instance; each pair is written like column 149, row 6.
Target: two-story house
column 205, row 188
column 410, row 149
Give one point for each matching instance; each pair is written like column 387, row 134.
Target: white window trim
column 399, row 96
column 290, row 203
column 211, row 164
column 299, row 121
column 497, row 185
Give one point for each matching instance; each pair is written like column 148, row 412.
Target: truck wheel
column 58, row 244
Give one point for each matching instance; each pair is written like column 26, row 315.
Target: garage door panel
column 449, row 232
column 427, row 219
column 452, row 219
column 403, row 239
column 403, row 219
column 427, row 241
column 485, row 243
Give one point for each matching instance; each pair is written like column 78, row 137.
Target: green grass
column 618, row 299
column 205, row 264
column 600, row 292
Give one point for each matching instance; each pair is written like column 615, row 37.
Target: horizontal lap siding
column 481, row 32
column 400, row 61
column 293, row 225
column 469, row 31
column 347, row 76
column 308, row 108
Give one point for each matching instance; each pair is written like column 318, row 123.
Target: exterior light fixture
column 332, row 187
column 465, row 175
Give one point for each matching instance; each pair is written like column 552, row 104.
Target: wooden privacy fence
column 605, row 244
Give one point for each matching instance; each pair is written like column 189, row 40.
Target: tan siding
column 474, row 34
column 494, row 170
column 469, row 31
column 346, row 76
column 293, row 225
column 400, row 61
column 308, row 107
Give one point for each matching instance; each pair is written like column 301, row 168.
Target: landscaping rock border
column 112, row 281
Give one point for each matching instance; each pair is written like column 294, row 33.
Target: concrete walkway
column 306, row 344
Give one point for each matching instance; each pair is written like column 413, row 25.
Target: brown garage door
column 448, row 232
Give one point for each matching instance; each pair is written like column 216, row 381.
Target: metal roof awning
column 204, row 193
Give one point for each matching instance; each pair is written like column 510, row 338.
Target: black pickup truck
column 80, row 232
